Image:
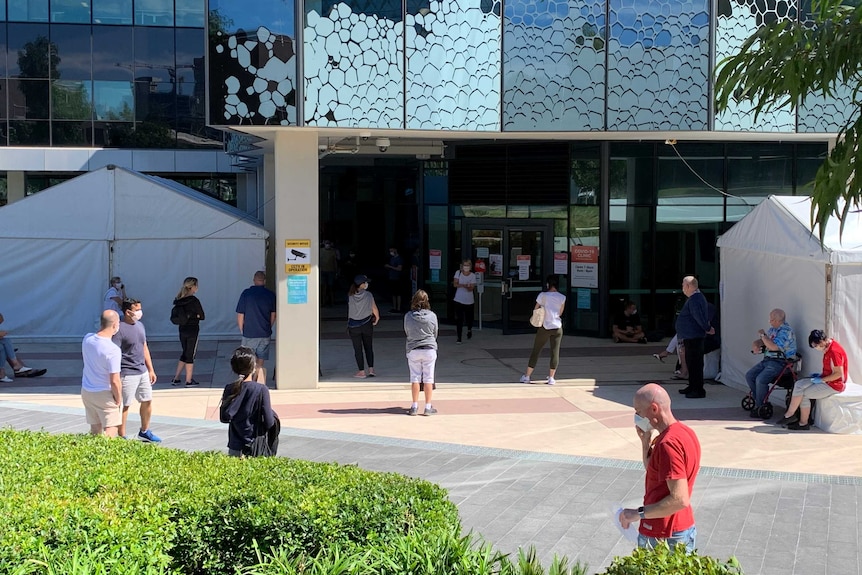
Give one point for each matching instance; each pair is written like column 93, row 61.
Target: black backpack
column 179, row 315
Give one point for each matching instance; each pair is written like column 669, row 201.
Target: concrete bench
column 842, row 412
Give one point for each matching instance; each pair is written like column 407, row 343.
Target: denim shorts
column 259, row 345
column 686, row 537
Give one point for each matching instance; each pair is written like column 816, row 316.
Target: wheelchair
column 785, row 379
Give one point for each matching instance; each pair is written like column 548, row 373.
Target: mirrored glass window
column 28, row 10
column 69, row 11
column 694, row 177
column 2, row 12
column 71, row 134
column 113, row 101
column 2, row 49
column 28, row 100
column 71, row 45
column 154, row 54
column 759, row 170
column 4, row 87
column 191, row 13
column 28, row 51
column 71, row 100
column 112, row 11
column 156, row 102
column 113, row 134
column 190, row 56
column 112, row 53
column 29, row 133
column 154, row 12
column 632, row 171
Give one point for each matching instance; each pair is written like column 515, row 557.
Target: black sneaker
column 469, row 334
column 696, row 394
column 797, row 427
column 176, row 382
column 788, row 420
column 192, row 383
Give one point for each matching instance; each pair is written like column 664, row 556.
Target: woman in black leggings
column 190, row 313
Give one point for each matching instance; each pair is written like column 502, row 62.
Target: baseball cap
column 360, row 279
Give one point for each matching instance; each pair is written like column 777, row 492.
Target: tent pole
column 828, row 300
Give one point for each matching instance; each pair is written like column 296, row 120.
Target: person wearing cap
column 362, row 316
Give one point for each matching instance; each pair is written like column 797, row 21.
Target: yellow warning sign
column 297, row 256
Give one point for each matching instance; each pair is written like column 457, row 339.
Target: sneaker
column 551, row 381
column 524, row 379
column 788, row 420
column 176, row 382
column 149, row 436
column 458, row 341
column 414, row 410
column 696, row 394
column 469, row 334
column 24, row 369
column 6, row 379
column 797, row 427
column 429, row 411
column 191, row 383
column 684, row 390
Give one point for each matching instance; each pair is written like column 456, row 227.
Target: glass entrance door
column 514, row 259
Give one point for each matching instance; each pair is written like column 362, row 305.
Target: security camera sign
column 297, row 256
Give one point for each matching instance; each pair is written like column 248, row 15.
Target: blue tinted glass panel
column 2, row 49
column 28, row 99
column 112, row 53
column 252, row 61
column 3, row 92
column 553, row 65
column 154, row 12
column 190, row 13
column 112, row 11
column 113, row 101
column 453, row 65
column 155, row 102
column 28, row 50
column 71, row 100
column 29, row 133
column 71, row 44
column 354, row 64
column 72, row 134
column 738, row 20
column 70, row 11
column 190, row 56
column 154, row 54
column 28, row 10
column 658, row 63
column 2, row 10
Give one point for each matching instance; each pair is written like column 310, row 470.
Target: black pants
column 463, row 314
column 189, row 342
column 694, row 363
column 362, row 337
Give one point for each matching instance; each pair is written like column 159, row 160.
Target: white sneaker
column 525, row 379
column 551, row 381
column 6, row 379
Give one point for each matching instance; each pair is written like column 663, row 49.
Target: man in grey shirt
column 136, row 368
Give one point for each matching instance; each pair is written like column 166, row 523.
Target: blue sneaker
column 149, row 437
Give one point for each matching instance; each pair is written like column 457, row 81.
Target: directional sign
column 297, row 256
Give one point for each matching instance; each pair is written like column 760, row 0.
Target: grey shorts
column 259, row 345
column 137, row 386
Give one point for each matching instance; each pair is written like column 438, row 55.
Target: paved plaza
column 525, row 464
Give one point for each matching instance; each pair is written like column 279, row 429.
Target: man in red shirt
column 672, row 461
column 828, row 382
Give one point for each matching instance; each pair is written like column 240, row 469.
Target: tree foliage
column 784, row 63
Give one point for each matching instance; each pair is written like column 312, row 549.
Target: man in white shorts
column 100, row 382
column 136, row 368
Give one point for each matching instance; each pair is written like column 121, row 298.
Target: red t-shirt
column 675, row 455
column 835, row 355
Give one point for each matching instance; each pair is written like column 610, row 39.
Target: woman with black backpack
column 187, row 314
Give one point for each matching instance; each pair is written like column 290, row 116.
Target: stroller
column 785, row 379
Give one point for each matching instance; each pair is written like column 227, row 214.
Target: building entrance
column 514, row 260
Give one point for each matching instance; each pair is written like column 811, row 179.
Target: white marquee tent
column 61, row 246
column 773, row 259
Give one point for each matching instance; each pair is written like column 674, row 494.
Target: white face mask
column 643, row 423
column 634, row 311
column 465, row 269
column 118, row 285
column 137, row 315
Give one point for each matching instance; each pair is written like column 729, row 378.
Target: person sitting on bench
column 7, row 354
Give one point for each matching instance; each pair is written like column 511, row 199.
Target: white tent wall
column 52, row 289
column 847, row 314
column 753, row 284
column 154, row 270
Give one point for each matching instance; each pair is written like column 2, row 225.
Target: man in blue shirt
column 777, row 344
column 692, row 326
column 255, row 316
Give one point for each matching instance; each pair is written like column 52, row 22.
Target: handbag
column 265, row 442
column 538, row 317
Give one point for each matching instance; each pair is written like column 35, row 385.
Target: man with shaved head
column 672, row 461
column 101, row 388
column 692, row 326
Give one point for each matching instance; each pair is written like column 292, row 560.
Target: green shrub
column 665, row 561
column 73, row 497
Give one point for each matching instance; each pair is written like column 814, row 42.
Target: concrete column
column 14, row 187
column 296, row 218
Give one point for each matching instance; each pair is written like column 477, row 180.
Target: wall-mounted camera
column 322, row 148
column 364, row 136
column 383, row 144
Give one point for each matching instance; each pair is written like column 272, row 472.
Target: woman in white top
column 552, row 329
column 115, row 295
column 464, row 282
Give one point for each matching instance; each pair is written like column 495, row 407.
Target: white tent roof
column 781, row 225
column 85, row 208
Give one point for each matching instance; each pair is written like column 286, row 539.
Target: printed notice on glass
column 297, row 256
column 583, row 298
column 435, row 259
column 524, row 267
column 561, row 264
column 585, row 266
column 297, row 289
column 481, row 252
column 495, row 265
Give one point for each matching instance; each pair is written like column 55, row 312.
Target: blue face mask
column 643, row 423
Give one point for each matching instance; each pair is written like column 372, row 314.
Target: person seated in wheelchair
column 829, row 381
column 778, row 345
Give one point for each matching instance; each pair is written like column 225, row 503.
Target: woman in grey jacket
column 420, row 325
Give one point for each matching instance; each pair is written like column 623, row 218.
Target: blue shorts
column 260, row 346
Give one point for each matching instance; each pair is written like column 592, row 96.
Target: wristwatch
column 641, row 512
